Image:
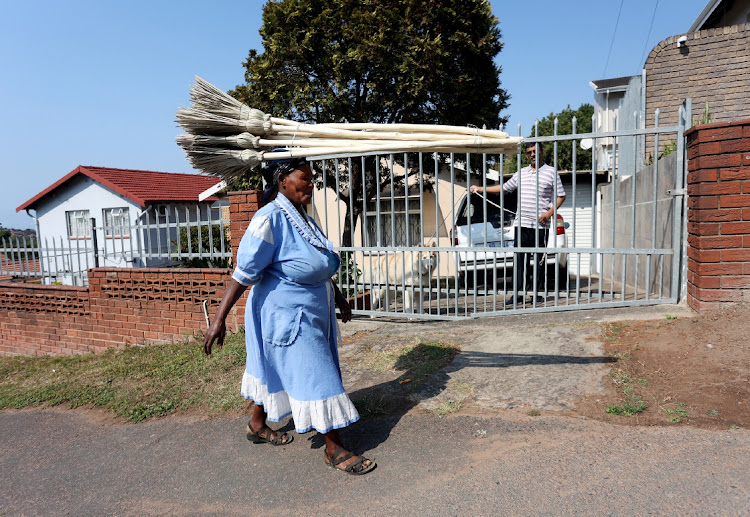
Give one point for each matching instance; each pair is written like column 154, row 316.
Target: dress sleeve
column 255, row 252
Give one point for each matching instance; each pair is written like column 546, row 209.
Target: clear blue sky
column 98, row 83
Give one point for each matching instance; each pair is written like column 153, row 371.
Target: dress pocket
column 280, row 325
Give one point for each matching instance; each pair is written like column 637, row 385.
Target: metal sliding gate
column 413, row 244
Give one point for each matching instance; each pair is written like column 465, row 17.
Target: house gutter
column 144, row 212
column 36, row 223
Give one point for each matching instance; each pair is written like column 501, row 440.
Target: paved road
column 56, row 462
column 63, row 463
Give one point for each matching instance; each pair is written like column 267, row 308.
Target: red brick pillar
column 718, row 187
column 242, row 208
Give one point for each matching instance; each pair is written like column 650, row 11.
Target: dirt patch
column 689, row 371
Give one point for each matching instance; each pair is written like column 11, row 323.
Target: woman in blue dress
column 291, row 330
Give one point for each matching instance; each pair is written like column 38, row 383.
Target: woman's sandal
column 356, row 468
column 265, row 437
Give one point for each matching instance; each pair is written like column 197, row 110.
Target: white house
column 617, row 106
column 107, row 208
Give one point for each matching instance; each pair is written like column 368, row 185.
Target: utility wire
column 645, row 45
column 604, row 74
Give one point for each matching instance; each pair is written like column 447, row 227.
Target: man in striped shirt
column 536, row 186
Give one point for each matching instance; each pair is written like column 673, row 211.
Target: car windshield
column 495, row 216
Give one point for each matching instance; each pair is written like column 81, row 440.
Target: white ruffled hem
column 322, row 415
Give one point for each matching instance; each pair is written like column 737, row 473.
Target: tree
column 383, row 61
column 564, row 149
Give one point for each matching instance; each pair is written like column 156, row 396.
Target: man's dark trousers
column 523, row 268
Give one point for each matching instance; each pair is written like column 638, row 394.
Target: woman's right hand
column 475, row 188
column 216, row 332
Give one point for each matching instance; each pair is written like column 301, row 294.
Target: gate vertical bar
column 633, row 218
column 435, row 161
column 679, row 214
column 654, row 206
column 574, row 157
column 349, row 178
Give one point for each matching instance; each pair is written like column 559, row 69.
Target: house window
column 79, row 226
column 394, row 225
column 116, row 222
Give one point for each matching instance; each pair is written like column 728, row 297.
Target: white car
column 497, row 231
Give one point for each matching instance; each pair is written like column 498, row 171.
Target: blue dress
column 291, row 331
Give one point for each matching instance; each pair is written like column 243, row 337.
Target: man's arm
column 492, row 189
column 546, row 216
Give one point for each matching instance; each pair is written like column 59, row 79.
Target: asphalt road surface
column 56, row 462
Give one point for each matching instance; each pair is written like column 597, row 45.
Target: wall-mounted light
column 682, row 41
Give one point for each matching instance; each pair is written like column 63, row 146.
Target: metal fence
column 167, row 236
column 411, row 246
column 415, row 245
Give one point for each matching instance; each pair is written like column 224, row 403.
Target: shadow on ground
column 383, row 404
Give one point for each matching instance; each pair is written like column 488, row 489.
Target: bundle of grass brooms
column 226, row 138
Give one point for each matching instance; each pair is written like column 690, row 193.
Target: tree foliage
column 383, row 61
column 406, row 61
column 564, row 149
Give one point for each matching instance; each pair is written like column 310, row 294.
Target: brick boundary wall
column 712, row 66
column 718, row 188
column 120, row 305
column 40, row 319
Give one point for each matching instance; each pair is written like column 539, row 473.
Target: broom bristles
column 199, row 121
column 210, row 98
column 225, row 163
column 215, row 112
column 226, row 137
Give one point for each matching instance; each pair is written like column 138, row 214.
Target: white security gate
column 166, row 235
column 415, row 245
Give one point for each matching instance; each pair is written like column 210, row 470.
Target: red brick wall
column 242, row 207
column 137, row 306
column 36, row 319
column 718, row 213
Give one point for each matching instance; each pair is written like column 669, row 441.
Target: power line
column 645, row 45
column 604, row 74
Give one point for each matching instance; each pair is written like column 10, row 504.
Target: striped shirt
column 527, row 195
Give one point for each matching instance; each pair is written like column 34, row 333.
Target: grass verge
column 134, row 383
column 417, row 362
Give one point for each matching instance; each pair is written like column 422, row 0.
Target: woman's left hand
column 343, row 305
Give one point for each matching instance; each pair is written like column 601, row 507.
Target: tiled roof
column 141, row 187
column 9, row 267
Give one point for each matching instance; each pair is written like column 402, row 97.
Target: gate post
column 718, row 213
